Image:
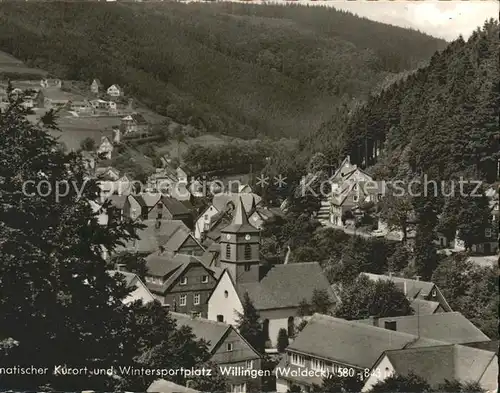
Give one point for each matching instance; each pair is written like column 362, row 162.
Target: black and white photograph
column 249, row 196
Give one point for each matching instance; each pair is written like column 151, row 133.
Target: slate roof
column 210, row 331
column 152, row 238
column 414, row 288
column 148, row 199
column 174, row 206
column 240, row 221
column 118, row 201
column 424, row 307
column 220, row 201
column 286, row 286
column 177, row 240
column 163, row 386
column 435, row 364
column 170, row 267
column 349, row 342
column 450, row 327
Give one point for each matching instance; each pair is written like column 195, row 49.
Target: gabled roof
column 214, row 334
column 412, row 288
column 174, row 206
column 435, row 364
column 286, row 286
column 240, row 221
column 220, row 201
column 152, row 237
column 424, row 307
column 178, row 238
column 115, row 86
column 164, row 386
column 148, row 199
column 349, row 342
column 211, row 332
column 141, row 291
column 171, row 267
column 450, row 327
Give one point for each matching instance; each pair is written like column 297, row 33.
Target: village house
column 48, row 83
column 327, row 344
column 105, row 148
column 451, row 327
column 164, row 386
column 96, row 86
column 437, row 364
column 182, row 242
column 275, row 291
column 221, row 204
column 140, row 290
column 425, row 297
column 134, row 123
column 114, row 91
column 181, row 282
column 102, row 105
column 151, row 238
column 229, row 350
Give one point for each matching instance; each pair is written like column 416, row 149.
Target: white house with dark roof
column 114, row 91
column 140, row 290
column 438, row 363
column 327, row 344
column 275, row 291
column 182, row 282
column 451, row 327
column 416, row 290
column 229, row 350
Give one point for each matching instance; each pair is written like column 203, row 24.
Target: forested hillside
column 441, row 120
column 239, row 69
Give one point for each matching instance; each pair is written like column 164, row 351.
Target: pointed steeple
column 240, row 222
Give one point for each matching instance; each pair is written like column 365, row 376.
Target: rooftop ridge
column 396, row 277
column 328, row 318
column 203, row 320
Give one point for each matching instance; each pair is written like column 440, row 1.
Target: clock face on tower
column 247, row 237
column 228, row 236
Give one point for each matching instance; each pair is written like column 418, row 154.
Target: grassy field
column 11, row 65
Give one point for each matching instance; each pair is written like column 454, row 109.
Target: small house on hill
column 96, row 86
column 229, row 350
column 134, row 123
column 114, row 91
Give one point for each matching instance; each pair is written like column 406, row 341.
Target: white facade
column 203, row 221
column 225, row 302
column 384, row 369
column 114, row 91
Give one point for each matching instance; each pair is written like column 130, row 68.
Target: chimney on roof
column 417, row 278
column 390, row 325
column 121, row 267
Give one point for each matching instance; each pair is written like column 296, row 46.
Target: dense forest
column 239, row 69
column 441, row 120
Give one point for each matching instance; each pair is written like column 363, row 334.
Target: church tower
column 239, row 243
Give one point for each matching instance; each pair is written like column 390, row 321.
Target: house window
column 204, row 279
column 265, row 329
column 291, row 327
column 229, row 346
column 239, row 388
column 160, row 216
column 355, row 198
column 206, row 217
column 298, row 360
column 487, row 232
column 228, row 251
column 318, row 365
column 247, row 267
column 184, row 281
column 433, row 293
column 226, row 294
column 220, row 318
column 196, row 299
column 144, row 213
column 249, row 364
column 182, row 300
column 248, row 252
